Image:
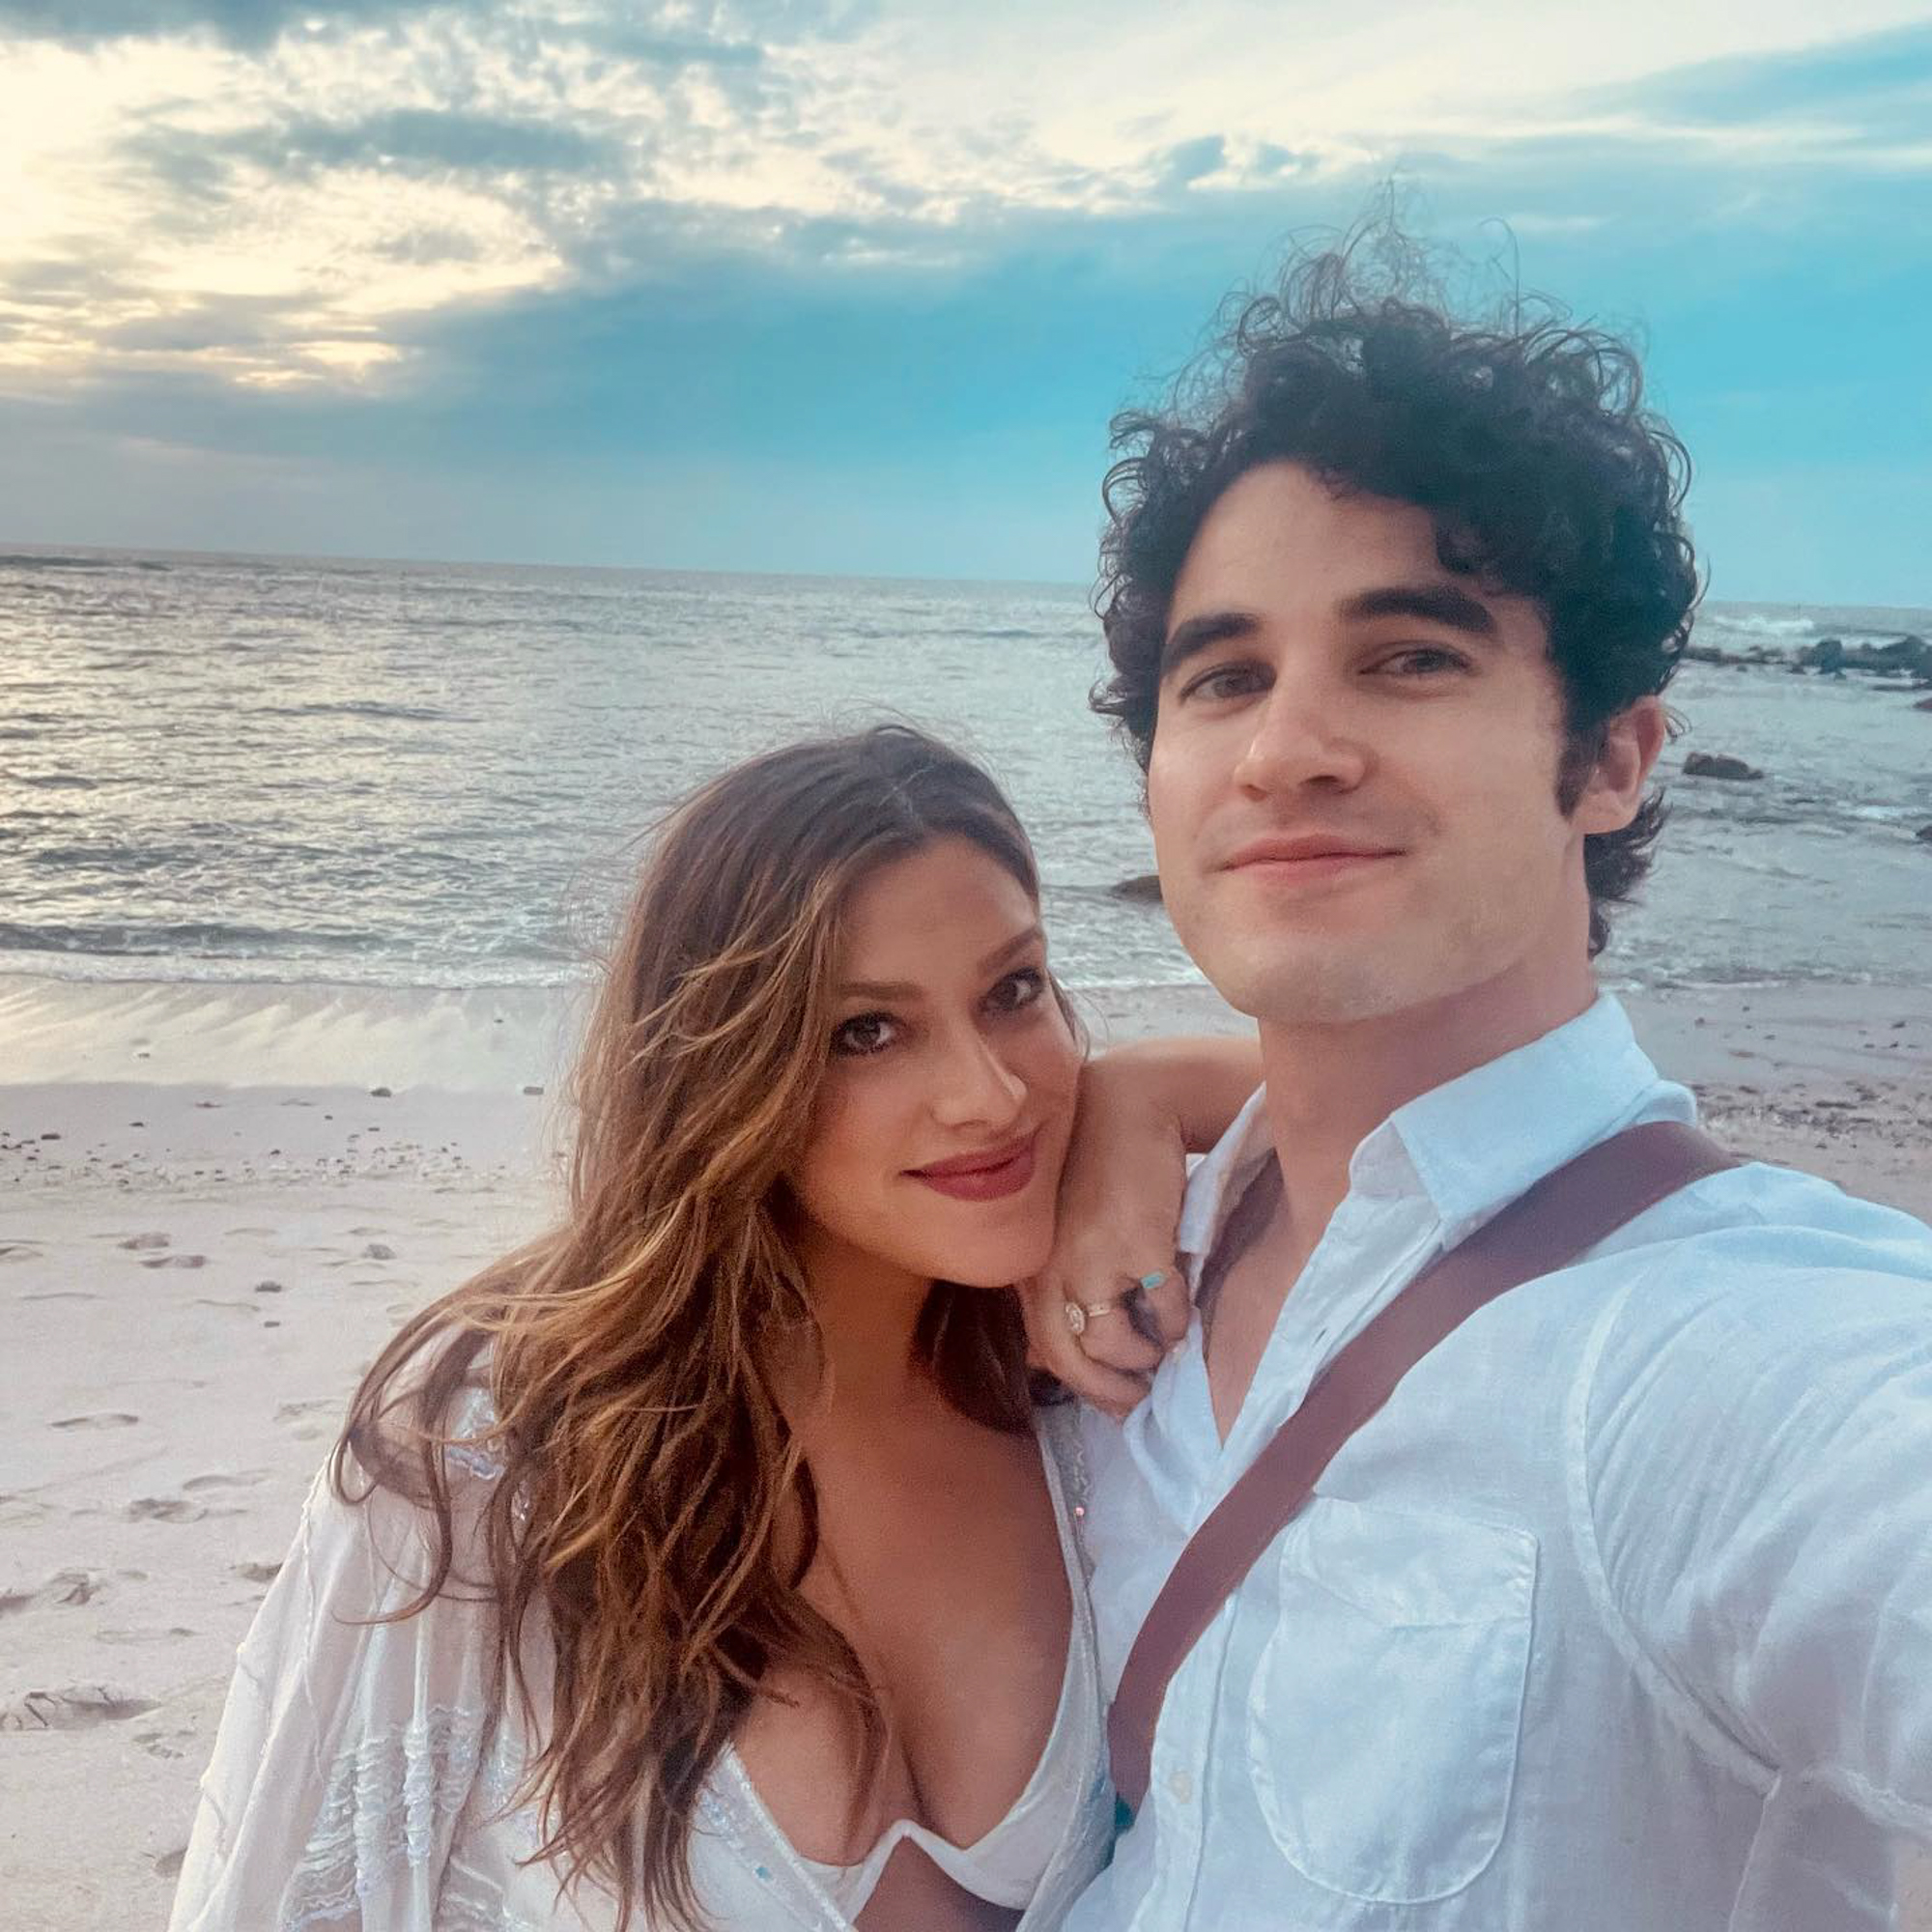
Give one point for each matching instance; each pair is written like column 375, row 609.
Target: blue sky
column 851, row 287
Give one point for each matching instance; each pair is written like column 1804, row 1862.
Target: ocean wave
column 53, row 781
column 365, row 707
column 27, row 560
column 160, row 938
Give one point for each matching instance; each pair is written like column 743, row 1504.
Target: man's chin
column 1337, row 988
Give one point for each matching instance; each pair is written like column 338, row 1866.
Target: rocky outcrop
column 1144, row 889
column 1717, row 765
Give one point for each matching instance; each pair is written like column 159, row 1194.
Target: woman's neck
column 868, row 1312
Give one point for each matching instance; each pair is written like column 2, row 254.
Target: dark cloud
column 424, row 140
column 243, row 23
column 733, row 36
column 1885, row 77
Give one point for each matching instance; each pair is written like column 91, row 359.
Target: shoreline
column 219, row 1203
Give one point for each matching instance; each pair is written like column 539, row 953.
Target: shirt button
column 1183, row 1788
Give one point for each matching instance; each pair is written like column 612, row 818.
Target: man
column 1619, row 1614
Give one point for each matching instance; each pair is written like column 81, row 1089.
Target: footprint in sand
column 20, row 1512
column 147, row 1241
column 168, row 1865
column 63, row 1586
column 165, row 1744
column 61, row 1294
column 258, row 1572
column 163, row 1509
column 177, row 1261
column 73, row 1706
column 228, row 1479
column 143, row 1638
column 114, row 1418
column 19, row 1251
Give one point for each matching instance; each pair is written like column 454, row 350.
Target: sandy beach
column 215, row 1203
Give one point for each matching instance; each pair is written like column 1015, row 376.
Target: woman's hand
column 1143, row 1109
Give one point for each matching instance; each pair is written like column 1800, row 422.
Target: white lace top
column 357, row 1783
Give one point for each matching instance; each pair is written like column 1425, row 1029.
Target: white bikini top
column 1005, row 1866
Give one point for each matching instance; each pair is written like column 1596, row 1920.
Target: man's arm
column 1144, row 1109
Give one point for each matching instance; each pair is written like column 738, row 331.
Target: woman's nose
column 976, row 1086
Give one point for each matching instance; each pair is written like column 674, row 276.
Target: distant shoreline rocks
column 1143, row 888
column 1718, row 765
column 1908, row 658
column 1904, row 657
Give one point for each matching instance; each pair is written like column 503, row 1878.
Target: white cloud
column 277, row 214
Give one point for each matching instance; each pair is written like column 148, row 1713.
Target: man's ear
column 1613, row 791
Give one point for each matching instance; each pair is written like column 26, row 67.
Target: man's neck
column 1330, row 1086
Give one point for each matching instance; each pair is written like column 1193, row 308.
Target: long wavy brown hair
column 654, row 1508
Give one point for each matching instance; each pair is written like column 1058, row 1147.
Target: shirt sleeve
column 347, row 1747
column 1756, row 1469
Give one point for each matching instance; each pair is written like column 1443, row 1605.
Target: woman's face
column 937, row 1140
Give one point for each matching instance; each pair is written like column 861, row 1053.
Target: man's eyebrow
column 1445, row 604
column 905, row 989
column 1194, row 635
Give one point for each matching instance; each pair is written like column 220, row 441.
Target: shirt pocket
column 1388, row 1700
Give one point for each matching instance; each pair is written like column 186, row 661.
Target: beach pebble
column 532, row 1089
column 382, row 1093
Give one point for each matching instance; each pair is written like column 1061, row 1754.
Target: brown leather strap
column 1561, row 1218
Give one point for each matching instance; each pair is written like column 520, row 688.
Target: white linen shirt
column 1618, row 1618
column 363, row 1781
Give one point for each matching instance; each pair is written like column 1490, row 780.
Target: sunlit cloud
column 272, row 194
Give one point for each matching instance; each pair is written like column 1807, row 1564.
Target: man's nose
column 1304, row 734
column 975, row 1087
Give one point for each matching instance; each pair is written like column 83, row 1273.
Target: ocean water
column 244, row 768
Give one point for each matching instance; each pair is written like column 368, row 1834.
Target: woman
column 707, row 1561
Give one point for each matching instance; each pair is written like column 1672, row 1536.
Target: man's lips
column 988, row 1175
column 1306, row 857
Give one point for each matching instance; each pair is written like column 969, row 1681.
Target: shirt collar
column 1472, row 1144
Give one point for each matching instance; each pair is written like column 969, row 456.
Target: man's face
column 1353, row 784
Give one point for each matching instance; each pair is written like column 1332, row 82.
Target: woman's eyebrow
column 905, row 989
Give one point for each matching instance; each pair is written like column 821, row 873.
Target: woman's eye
column 1018, row 989
column 863, row 1034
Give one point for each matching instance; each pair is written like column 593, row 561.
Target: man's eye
column 863, row 1034
column 1017, row 990
column 1223, row 682
column 1422, row 660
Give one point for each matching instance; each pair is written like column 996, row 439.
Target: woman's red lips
column 989, row 1176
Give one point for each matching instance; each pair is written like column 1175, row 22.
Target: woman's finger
column 1112, row 1340
column 1169, row 1306
column 1053, row 1347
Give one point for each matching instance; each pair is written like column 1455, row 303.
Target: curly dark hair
column 1525, row 439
